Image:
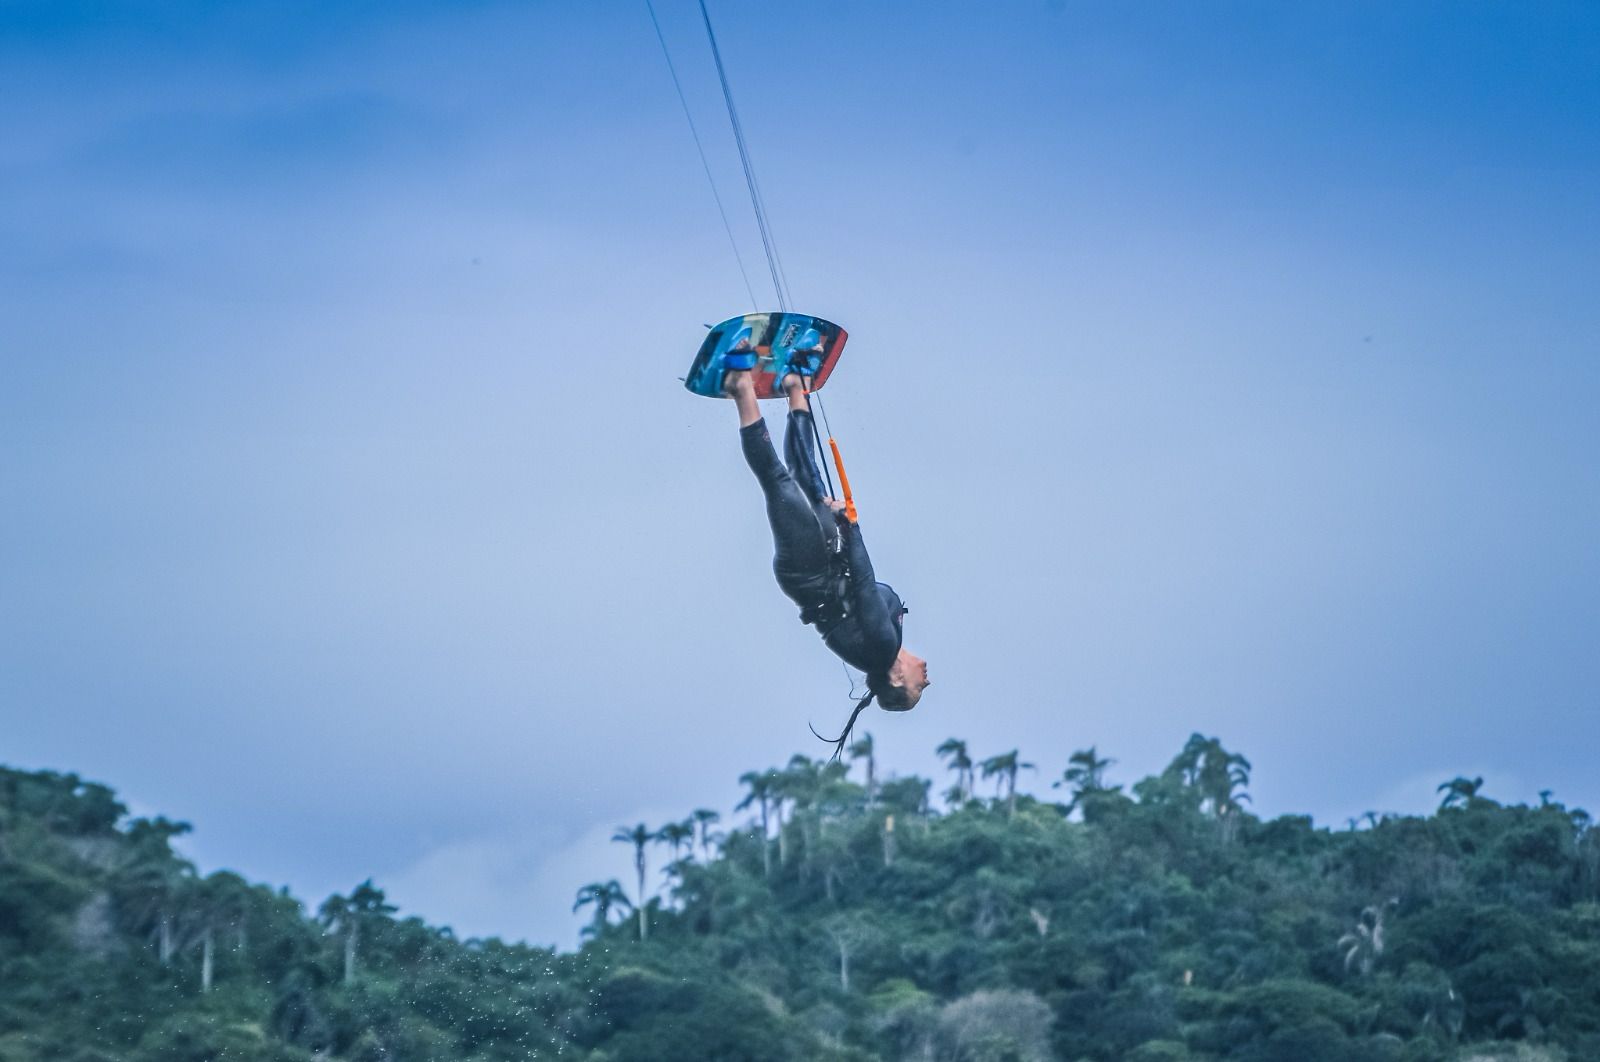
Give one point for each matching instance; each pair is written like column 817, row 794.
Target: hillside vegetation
column 848, row 917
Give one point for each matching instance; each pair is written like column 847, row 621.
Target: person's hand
column 835, row 506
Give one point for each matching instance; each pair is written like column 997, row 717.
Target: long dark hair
column 876, row 685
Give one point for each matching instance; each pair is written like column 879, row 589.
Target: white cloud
column 517, row 886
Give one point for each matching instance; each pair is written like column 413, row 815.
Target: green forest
column 844, row 913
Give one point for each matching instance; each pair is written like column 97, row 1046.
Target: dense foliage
column 849, row 919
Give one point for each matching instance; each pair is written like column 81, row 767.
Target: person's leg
column 794, row 388
column 798, row 436
column 742, row 389
column 800, row 551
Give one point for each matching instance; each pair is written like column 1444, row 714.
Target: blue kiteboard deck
column 783, row 343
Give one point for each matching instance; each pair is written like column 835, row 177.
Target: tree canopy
column 847, row 917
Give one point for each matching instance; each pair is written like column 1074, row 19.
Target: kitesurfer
column 819, row 558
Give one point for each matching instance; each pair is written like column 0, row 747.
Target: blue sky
column 1222, row 367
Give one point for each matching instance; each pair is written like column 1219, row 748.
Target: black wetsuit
column 819, row 559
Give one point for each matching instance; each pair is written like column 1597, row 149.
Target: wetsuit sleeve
column 877, row 627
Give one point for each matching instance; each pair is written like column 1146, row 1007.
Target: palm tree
column 847, row 932
column 861, row 749
column 336, row 918
column 782, row 788
column 604, row 895
column 1085, row 774
column 960, row 763
column 801, row 782
column 677, row 834
column 206, row 915
column 346, row 916
column 1215, row 772
column 218, row 902
column 996, row 765
column 1004, row 768
column 1364, row 945
column 153, row 886
column 802, row 778
column 1459, row 792
column 638, row 836
column 703, row 818
column 760, row 783
column 1225, row 777
column 1217, row 776
column 1186, row 764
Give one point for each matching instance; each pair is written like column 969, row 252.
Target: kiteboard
column 782, row 342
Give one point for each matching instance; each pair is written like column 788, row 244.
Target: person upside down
column 819, row 559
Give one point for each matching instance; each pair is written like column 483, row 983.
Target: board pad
column 777, row 339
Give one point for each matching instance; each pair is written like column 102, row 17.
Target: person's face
column 919, row 674
column 911, row 672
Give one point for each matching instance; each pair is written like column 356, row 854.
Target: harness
column 833, row 609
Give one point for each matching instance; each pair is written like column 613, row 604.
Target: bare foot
column 792, row 383
column 737, row 381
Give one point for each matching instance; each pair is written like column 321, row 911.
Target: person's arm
column 877, row 627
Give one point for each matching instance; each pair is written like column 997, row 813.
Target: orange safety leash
column 844, row 481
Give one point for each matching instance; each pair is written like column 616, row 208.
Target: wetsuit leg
column 801, row 555
column 802, row 459
column 797, row 438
